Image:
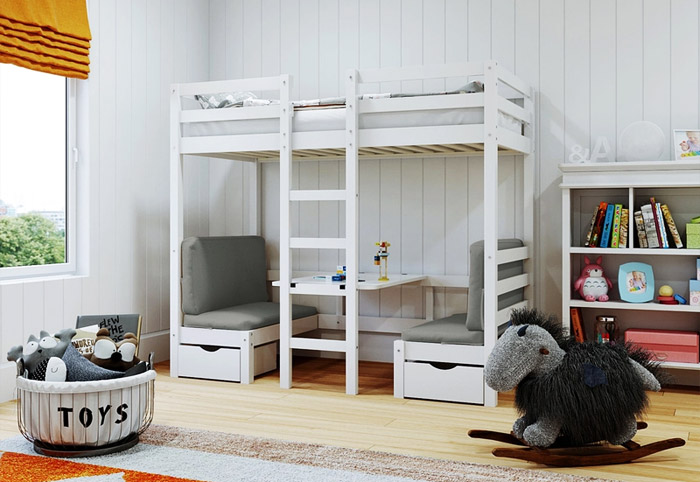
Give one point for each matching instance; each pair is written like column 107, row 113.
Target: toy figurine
column 382, row 253
column 593, row 285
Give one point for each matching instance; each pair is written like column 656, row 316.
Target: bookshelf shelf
column 636, row 251
column 681, row 366
column 621, row 305
column 584, row 187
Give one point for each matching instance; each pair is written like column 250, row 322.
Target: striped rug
column 171, row 454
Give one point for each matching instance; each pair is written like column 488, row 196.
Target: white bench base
column 434, row 371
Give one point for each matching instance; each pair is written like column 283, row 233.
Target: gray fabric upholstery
column 222, row 271
column 224, row 284
column 249, row 316
column 475, row 309
column 450, row 330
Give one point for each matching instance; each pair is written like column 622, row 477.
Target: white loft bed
column 464, row 124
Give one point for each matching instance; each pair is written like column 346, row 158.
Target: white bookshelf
column 584, row 186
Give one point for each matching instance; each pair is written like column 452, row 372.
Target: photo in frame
column 686, row 143
column 635, row 281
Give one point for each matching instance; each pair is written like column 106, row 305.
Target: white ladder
column 349, row 345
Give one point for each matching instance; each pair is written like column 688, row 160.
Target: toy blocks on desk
column 692, row 235
column 694, row 292
column 667, row 345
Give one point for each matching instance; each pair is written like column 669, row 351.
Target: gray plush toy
column 585, row 392
column 56, row 359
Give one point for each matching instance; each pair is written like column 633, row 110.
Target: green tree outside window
column 30, row 240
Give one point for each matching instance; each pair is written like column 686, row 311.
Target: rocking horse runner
column 570, row 393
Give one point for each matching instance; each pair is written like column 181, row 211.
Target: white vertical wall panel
column 503, row 33
column 602, row 73
column 657, row 65
column 107, row 149
column 683, row 56
column 630, row 62
column 124, row 153
column 551, row 142
column 139, row 141
column 577, row 85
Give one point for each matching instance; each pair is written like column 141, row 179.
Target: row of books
column 655, row 226
column 608, row 226
column 653, row 222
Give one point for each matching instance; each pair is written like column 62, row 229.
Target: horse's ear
column 599, row 260
column 586, row 260
column 522, row 330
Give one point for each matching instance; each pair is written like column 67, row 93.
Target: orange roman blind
column 47, row 35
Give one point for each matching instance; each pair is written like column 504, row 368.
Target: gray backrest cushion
column 222, row 271
column 475, row 319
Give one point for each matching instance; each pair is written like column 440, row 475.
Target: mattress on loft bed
column 329, row 119
column 329, row 114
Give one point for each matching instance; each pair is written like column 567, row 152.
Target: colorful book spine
column 590, row 227
column 607, row 226
column 672, row 226
column 659, row 221
column 598, row 228
column 577, row 324
column 624, row 227
column 650, row 226
column 641, row 232
column 615, row 230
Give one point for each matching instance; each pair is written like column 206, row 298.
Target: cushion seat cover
column 249, row 316
column 451, row 330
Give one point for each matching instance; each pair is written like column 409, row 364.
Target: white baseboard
column 158, row 343
column 8, row 372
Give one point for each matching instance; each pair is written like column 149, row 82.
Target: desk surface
column 366, row 281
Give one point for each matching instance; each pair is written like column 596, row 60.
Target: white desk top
column 366, row 281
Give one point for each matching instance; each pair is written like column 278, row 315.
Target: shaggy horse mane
column 527, row 316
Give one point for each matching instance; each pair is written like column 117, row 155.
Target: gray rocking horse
column 570, row 394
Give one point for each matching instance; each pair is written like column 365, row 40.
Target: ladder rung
column 317, row 243
column 318, row 195
column 318, row 344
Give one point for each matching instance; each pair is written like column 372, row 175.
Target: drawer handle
column 442, row 365
column 209, row 348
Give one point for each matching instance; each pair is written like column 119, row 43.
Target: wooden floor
column 317, row 410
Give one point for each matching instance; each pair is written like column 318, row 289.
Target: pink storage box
column 667, row 345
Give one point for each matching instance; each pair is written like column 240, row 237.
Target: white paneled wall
column 597, row 66
column 138, row 49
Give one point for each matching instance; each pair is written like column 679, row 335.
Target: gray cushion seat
column 468, row 328
column 451, row 331
column 249, row 316
column 224, row 284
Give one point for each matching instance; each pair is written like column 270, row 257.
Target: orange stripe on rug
column 33, row 468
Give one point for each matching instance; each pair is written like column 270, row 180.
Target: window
column 37, row 181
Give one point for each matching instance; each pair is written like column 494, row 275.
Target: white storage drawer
column 457, row 384
column 220, row 364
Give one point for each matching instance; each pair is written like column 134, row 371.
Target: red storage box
column 667, row 345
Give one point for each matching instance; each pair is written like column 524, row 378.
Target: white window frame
column 70, row 267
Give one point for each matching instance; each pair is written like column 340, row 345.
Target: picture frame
column 686, row 144
column 635, row 282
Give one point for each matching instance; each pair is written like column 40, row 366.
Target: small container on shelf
column 606, row 329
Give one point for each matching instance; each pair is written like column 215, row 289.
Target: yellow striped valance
column 47, row 35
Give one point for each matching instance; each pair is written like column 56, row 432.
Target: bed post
column 351, row 259
column 285, row 252
column 529, row 193
column 490, row 217
column 176, row 227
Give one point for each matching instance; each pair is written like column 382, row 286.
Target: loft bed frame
column 353, row 141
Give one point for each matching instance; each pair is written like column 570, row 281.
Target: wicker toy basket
column 72, row 419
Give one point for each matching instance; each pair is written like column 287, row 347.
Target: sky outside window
column 32, row 140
